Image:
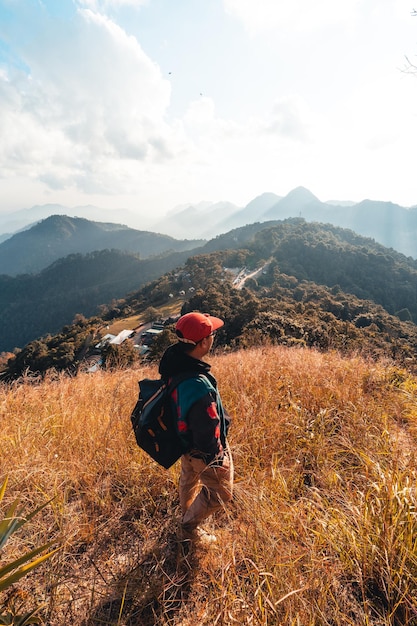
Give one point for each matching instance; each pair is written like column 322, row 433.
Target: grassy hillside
column 322, row 529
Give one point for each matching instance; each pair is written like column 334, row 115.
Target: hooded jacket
column 202, row 420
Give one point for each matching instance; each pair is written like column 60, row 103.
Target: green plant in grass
column 12, row 520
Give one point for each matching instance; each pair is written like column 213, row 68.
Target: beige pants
column 203, row 488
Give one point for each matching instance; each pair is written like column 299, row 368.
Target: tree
column 150, row 314
column 119, row 356
column 161, row 343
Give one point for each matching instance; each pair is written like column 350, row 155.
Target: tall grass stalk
column 322, row 529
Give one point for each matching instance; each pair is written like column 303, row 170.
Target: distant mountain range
column 390, row 224
column 32, row 250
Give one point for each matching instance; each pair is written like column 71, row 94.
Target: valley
column 293, row 282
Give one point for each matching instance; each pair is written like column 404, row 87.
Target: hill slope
column 14, row 221
column 57, row 236
column 300, row 284
column 32, row 306
column 322, row 529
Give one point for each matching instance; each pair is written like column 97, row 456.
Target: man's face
column 207, row 343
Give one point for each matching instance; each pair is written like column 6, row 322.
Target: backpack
column 155, row 422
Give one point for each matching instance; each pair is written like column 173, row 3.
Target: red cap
column 193, row 327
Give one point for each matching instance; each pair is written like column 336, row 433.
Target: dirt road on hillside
column 240, row 281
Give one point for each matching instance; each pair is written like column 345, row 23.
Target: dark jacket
column 201, row 416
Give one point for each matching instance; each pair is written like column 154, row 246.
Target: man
column 206, row 479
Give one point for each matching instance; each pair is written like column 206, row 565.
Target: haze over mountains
column 62, row 265
column 392, row 225
column 55, row 237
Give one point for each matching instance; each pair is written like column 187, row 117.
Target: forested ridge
column 58, row 236
column 31, row 306
column 334, row 256
column 318, row 285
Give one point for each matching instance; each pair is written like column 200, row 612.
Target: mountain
column 35, row 305
column 390, row 224
column 5, row 236
column 203, row 218
column 252, row 212
column 301, row 284
column 57, row 236
column 340, row 202
column 13, row 221
column 300, row 202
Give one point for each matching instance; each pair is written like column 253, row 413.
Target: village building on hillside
column 104, row 341
column 149, row 335
column 142, row 338
column 121, row 337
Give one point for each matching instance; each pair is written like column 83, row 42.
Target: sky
column 152, row 104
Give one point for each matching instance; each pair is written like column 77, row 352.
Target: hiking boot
column 204, row 536
column 196, row 534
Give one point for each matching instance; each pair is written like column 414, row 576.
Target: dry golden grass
column 128, row 323
column 322, row 529
column 173, row 307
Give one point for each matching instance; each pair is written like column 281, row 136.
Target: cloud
column 289, row 119
column 83, row 108
column 102, row 6
column 91, row 97
column 260, row 16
